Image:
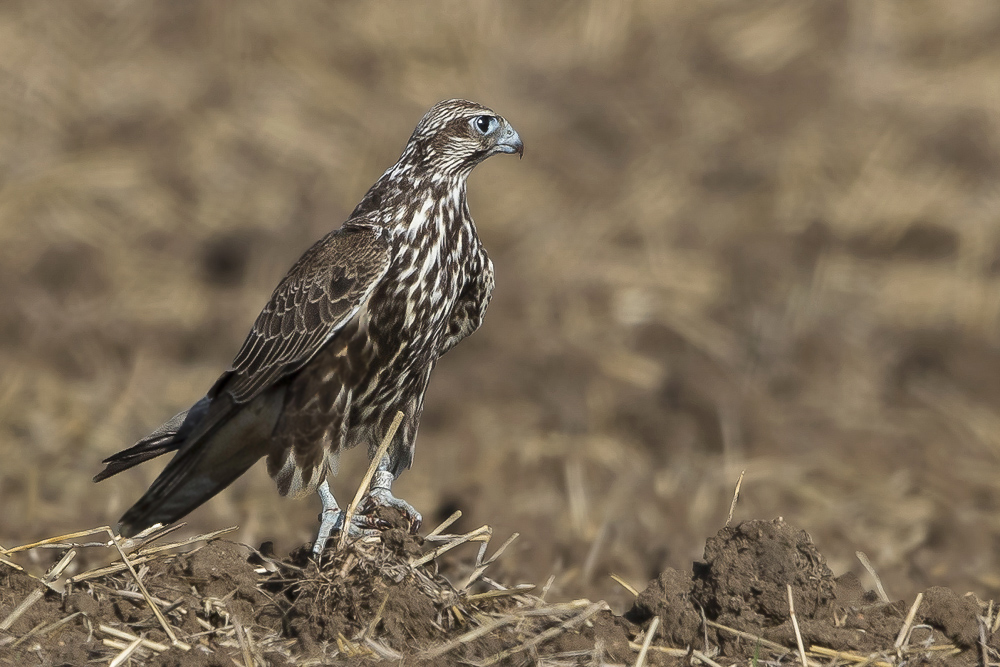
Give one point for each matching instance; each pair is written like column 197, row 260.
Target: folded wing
column 230, row 429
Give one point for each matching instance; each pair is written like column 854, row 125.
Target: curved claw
column 382, row 497
column 332, row 521
column 372, row 524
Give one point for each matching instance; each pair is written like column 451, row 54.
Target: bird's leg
column 331, row 520
column 380, row 495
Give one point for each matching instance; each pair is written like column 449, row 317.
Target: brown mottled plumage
column 349, row 337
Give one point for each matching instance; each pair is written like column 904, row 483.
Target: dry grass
column 216, row 627
column 757, row 237
column 500, row 625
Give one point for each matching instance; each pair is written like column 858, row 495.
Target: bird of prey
column 348, row 338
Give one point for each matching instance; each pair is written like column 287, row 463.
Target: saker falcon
column 349, row 337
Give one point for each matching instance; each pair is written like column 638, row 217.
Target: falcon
column 348, row 338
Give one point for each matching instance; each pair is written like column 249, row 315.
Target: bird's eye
column 484, row 124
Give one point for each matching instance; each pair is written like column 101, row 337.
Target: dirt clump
column 669, row 597
column 954, row 615
column 743, row 581
column 741, row 587
column 380, row 597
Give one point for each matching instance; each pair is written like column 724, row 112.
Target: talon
column 382, row 497
column 331, row 520
column 373, row 522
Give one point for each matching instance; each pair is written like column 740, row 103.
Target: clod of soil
column 669, row 597
column 744, row 579
column 955, row 616
column 742, row 584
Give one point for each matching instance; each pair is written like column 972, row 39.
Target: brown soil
column 742, row 585
column 366, row 603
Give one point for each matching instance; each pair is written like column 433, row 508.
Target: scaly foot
column 381, row 496
column 331, row 520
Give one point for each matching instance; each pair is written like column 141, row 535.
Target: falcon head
column 456, row 135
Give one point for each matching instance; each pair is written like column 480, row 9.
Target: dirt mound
column 378, row 598
column 384, row 598
column 746, row 570
column 735, row 604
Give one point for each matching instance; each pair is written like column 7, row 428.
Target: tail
column 162, row 440
column 225, row 442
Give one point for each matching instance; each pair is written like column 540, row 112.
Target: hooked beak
column 511, row 143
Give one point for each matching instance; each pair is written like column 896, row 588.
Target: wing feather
column 320, row 294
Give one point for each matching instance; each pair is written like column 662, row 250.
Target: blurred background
column 744, row 236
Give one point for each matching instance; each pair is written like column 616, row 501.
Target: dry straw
column 524, row 624
column 475, row 617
